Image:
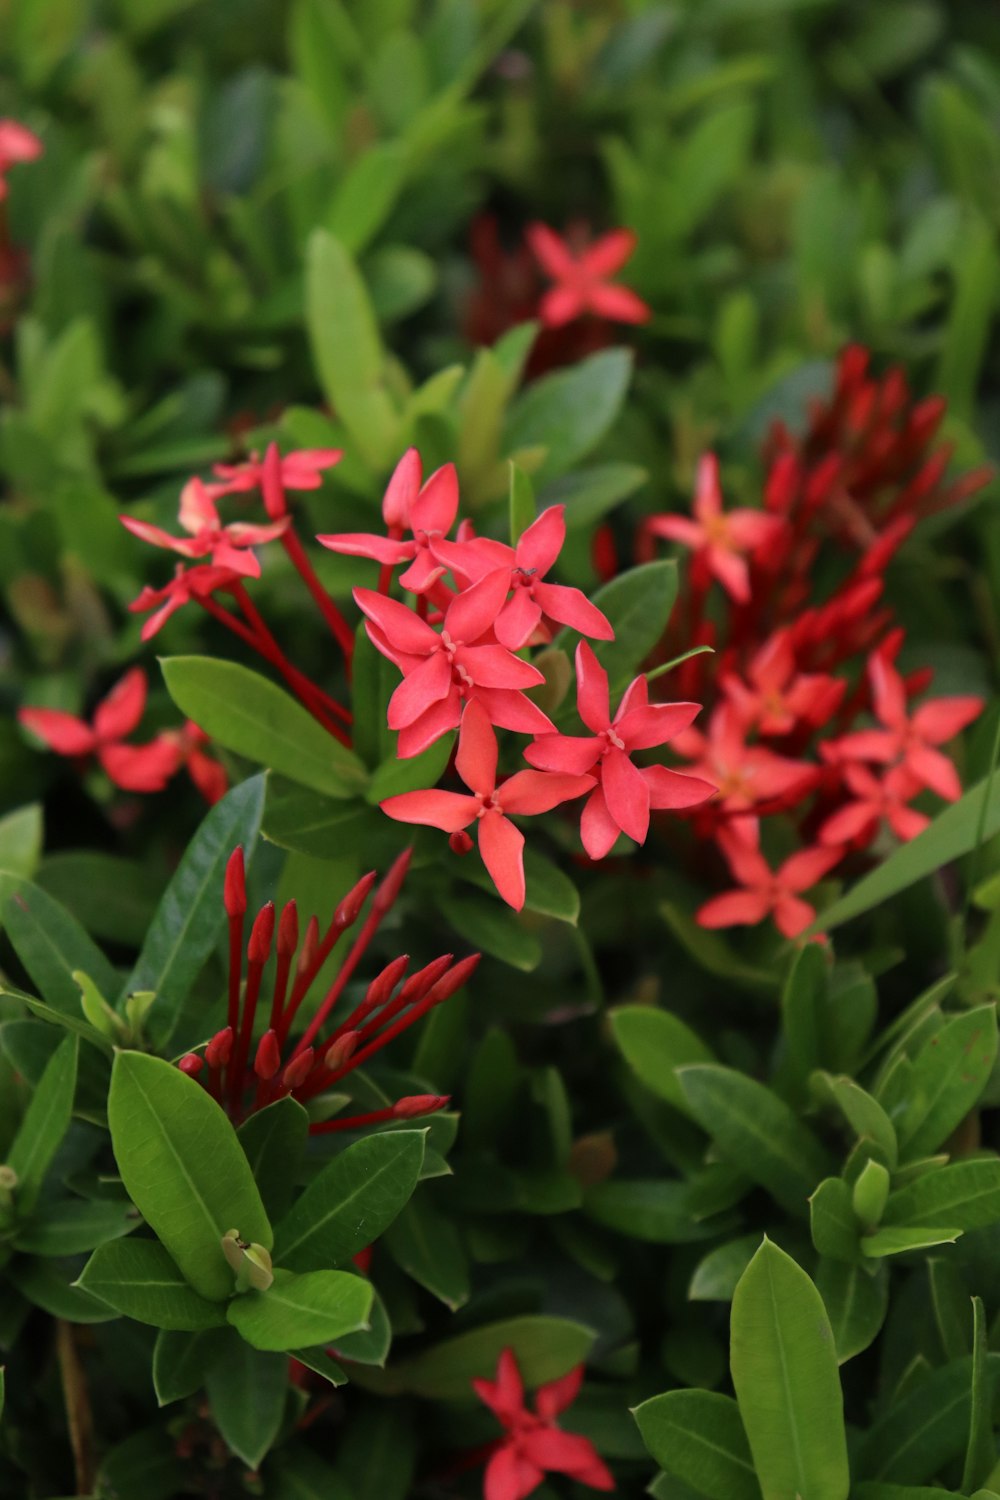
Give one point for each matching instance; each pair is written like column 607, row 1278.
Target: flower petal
column 62, row 732
column 619, row 304
column 501, row 846
column 471, row 613
column 403, row 629
column 529, row 792
column 627, row 794
column 512, row 710
column 598, row 829
column 448, row 811
column 609, row 253
column 673, row 789
column 119, row 713
column 571, row 607
column 592, row 699
column 939, row 720
column 365, row 544
column 476, row 760
column 518, row 619
column 734, row 909
column 141, row 768
column 439, row 719
column 541, row 543
column 550, row 250
column 792, row 915
column 642, row 728
column 436, row 507
column 574, row 754
column 426, row 684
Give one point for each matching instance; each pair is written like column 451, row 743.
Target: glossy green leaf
column 698, row 1436
column 568, row 412
column 369, row 1346
column 784, row 1368
column 856, row 1303
column 317, row 1359
column 522, row 509
column 251, row 715
column 315, row 1308
column 351, row 1202
column 183, row 1168
column 717, row 1274
column 964, row 1193
column 654, row 1042
column 51, row 944
column 638, row 603
column 47, row 1284
column 247, row 1390
column 655, row 1210
column 862, row 1112
column 181, row 1361
column 832, row 1222
column 21, row 835
column 139, row 1279
column 545, row 1348
column 274, row 1143
column 395, row 776
column 802, row 1018
column 428, row 1247
column 870, row 1192
column 950, row 1073
column 897, row 1241
column 46, row 1121
column 74, row 1225
column 925, row 1428
column 981, row 1451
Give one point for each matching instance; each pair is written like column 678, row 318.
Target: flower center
column 611, row 741
column 487, row 803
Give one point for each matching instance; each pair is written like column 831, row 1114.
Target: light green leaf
column 654, row 1042
column 981, row 1451
column 950, row 1072
column 312, row 1309
column 965, row 1193
column 856, row 1303
column 51, row 944
column 21, row 834
column 569, row 412
column 139, row 1279
column 898, row 1241
column 698, row 1437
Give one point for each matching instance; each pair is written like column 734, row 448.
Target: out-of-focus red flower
column 187, row 584
column 275, row 473
column 776, row 697
column 490, row 807
column 874, row 801
column 719, row 539
column 534, row 1445
column 765, row 892
column 581, row 277
column 17, row 143
column 199, row 516
column 207, row 774
column 744, row 775
column 134, row 768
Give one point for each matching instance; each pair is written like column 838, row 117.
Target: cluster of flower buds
column 808, row 714
column 245, row 1071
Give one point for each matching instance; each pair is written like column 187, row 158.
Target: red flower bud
column 455, row 978
column 288, row 930
column 310, row 944
column 234, row 889
column 191, row 1064
column 298, row 1069
column 391, row 885
column 268, row 1059
column 261, row 935
column 341, row 1051
column 418, row 984
column 350, row 906
column 419, row 1104
column 219, row 1049
column 460, row 842
column 383, row 984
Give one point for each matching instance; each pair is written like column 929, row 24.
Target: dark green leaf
column 246, row 1392
column 139, row 1279
column 45, row 1122
column 545, row 1349
column 274, row 1142
column 698, row 1436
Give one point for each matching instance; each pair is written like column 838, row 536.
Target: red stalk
column 339, row 628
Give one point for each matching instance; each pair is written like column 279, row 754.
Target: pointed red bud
column 418, row 984
column 310, row 944
column 298, row 1069
column 383, row 984
column 234, row 888
column 350, row 906
column 268, row 1059
column 455, row 978
column 271, row 486
column 261, row 935
column 419, row 1104
column 288, row 930
column 191, row 1064
column 391, row 885
column 460, row 842
column 341, row 1051
column 219, row 1049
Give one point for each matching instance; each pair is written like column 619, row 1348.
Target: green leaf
column 45, row 1283
column 950, row 1072
column 51, row 944
column 297, row 1473
column 784, row 1369
column 698, row 1437
column 395, row 776
column 184, row 1168
column 757, row 1132
column 863, row 1113
column 802, row 1014
column 139, row 1279
column 298, row 819
column 925, row 1428
column 190, row 915
column 638, row 603
column 521, row 507
column 494, row 928
column 896, row 1241
column 545, row 1349
column 716, row 1276
column 654, row 1042
column 74, row 1225
column 568, row 413
column 246, row 1392
column 656, row 1210
column 318, row 1360
column 965, row 1193
column 21, row 835
column 856, row 1304
column 181, row 1361
column 981, row 1452
column 831, row 1220
column 46, row 1121
column 274, row 1143
column 246, row 713
column 366, row 193
column 428, row 1247
column 369, row 1346
column 144, row 1465
column 352, row 1201
column 588, row 494
column 312, row 1309
column 870, row 1192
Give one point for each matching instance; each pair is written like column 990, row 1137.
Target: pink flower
column 744, row 775
column 625, row 794
column 764, row 892
column 276, row 473
column 17, row 143
column 187, row 584
column 135, row 768
column 582, row 279
column 534, row 1446
column 524, row 568
column 427, row 511
column 441, row 671
column 199, row 517
column 207, row 774
column 776, row 697
column 501, row 845
column 719, row 539
column 875, row 802
column 911, row 740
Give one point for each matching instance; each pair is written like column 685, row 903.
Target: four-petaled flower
column 524, row 568
column 765, row 892
column 582, row 278
column 490, row 807
column 187, row 584
column 441, row 670
column 534, row 1445
column 624, row 795
column 275, row 473
column 720, row 539
column 775, row 697
column 207, row 536
column 874, row 802
column 135, row 768
column 17, row 143
column 744, row 775
column 427, row 511
column 910, row 740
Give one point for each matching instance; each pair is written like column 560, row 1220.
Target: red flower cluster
column 489, row 601
column 795, row 681
column 311, row 1065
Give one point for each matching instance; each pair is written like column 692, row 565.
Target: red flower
column 766, row 892
column 441, row 671
column 582, row 279
column 776, row 698
column 135, row 768
column 207, row 774
column 501, row 845
column 719, row 539
column 17, row 143
column 524, row 568
column 187, row 584
column 624, row 796
column 874, row 802
column 534, row 1446
column 199, row 517
column 302, row 470
column 428, row 511
column 744, row 775
column 910, row 740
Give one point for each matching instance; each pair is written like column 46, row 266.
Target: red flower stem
column 235, row 975
column 339, row 628
column 377, row 1117
column 327, row 1078
column 358, row 947
column 306, row 688
column 281, row 973
column 385, row 571
column 305, row 978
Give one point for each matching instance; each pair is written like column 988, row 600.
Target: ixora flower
column 765, row 892
column 427, row 510
column 524, row 568
column 534, row 1445
column 207, row 536
column 720, row 539
column 875, row 801
column 775, row 697
column 582, row 284
column 441, row 670
column 187, row 584
column 276, row 473
column 490, row 807
column 134, row 768
column 745, row 776
column 312, row 1065
column 624, row 794
column 17, row 143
